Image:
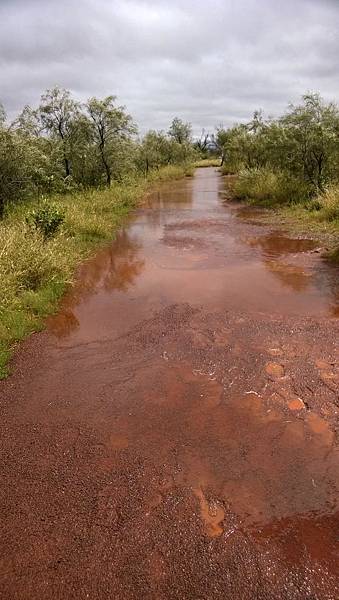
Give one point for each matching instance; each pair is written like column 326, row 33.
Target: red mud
column 173, row 435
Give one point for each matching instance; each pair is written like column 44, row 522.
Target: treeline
column 64, row 145
column 288, row 159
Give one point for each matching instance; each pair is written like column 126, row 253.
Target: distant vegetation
column 286, row 161
column 64, row 146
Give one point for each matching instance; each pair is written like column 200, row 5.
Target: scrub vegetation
column 290, row 163
column 69, row 174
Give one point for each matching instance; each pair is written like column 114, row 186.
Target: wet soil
column 174, row 432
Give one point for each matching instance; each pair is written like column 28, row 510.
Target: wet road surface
column 173, row 434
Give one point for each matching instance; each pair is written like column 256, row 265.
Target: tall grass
column 34, row 272
column 268, row 187
column 326, row 204
column 171, row 172
column 295, row 200
column 208, row 162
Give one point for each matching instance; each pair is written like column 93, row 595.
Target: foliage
column 207, row 162
column 110, row 126
column 158, row 150
column 46, row 218
column 180, row 132
column 326, row 204
column 35, row 271
column 62, row 146
column 302, row 145
column 266, row 186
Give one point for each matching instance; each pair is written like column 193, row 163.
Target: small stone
column 322, row 364
column 275, row 370
column 275, row 351
column 296, row 404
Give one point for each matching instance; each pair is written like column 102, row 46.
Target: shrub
column 328, row 203
column 314, row 205
column 26, row 262
column 47, row 219
column 269, row 187
column 171, row 172
column 257, row 184
column 208, row 162
column 333, row 255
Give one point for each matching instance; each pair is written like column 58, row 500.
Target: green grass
column 35, row 273
column 171, row 172
column 207, row 162
column 294, row 207
column 269, row 188
column 333, row 255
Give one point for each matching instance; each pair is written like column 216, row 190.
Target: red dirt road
column 173, row 434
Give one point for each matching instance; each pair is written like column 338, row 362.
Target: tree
column 110, row 126
column 312, row 139
column 180, row 132
column 14, row 179
column 58, row 112
column 203, row 143
column 29, row 122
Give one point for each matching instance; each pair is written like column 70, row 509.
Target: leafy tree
column 303, row 143
column 13, row 171
column 29, row 122
column 58, row 112
column 62, row 145
column 312, row 139
column 180, row 132
column 110, row 125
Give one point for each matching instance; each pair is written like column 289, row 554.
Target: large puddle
column 185, row 245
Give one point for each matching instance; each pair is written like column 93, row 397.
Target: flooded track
column 173, row 435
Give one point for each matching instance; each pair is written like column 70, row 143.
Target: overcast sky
column 207, row 61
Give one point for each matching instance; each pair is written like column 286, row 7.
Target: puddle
column 186, row 246
column 274, row 244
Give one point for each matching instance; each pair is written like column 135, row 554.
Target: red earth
column 173, row 432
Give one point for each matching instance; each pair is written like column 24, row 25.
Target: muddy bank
column 174, row 433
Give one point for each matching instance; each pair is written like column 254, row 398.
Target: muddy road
column 173, row 434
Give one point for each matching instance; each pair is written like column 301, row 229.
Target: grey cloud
column 209, row 61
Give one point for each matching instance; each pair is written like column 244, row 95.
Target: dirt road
column 173, row 433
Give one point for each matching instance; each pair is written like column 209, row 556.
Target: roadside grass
column 230, row 168
column 207, row 162
column 333, row 255
column 293, row 204
column 35, row 272
column 171, row 172
column 269, row 188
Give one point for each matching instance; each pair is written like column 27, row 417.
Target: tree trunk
column 67, row 167
column 106, row 165
column 108, row 171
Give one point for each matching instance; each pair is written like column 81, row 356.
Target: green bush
column 328, row 203
column 333, row 255
column 27, row 261
column 47, row 219
column 270, row 187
